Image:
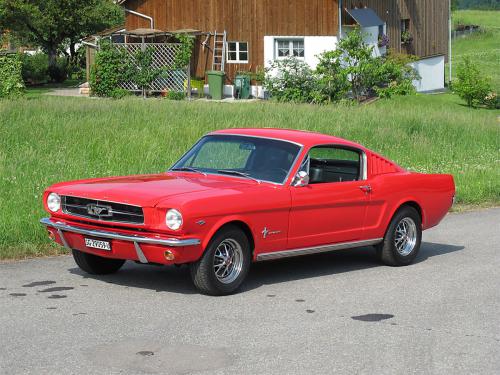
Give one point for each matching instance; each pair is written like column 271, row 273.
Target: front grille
column 102, row 210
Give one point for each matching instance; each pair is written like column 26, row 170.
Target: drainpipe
column 450, row 25
column 140, row 15
column 340, row 18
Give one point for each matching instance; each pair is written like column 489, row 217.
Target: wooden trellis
column 174, row 79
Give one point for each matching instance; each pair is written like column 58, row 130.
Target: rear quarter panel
column 433, row 193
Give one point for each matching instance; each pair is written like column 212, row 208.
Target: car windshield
column 262, row 159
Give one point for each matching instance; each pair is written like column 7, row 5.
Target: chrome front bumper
column 172, row 242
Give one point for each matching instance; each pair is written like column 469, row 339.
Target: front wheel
column 402, row 239
column 96, row 265
column 224, row 265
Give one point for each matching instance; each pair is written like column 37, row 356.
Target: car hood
column 147, row 190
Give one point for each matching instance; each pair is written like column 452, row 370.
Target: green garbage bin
column 242, row 87
column 216, row 84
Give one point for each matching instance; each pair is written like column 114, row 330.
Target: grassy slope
column 48, row 139
column 482, row 48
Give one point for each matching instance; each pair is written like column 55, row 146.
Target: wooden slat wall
column 251, row 20
column 428, row 23
column 244, row 20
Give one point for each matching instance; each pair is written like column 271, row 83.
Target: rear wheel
column 224, row 265
column 96, row 265
column 402, row 239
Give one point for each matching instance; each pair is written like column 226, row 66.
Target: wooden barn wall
column 428, row 23
column 244, row 20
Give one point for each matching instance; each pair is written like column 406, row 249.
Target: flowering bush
column 383, row 40
column 492, row 101
column 290, row 80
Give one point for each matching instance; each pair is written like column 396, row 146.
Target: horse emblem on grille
column 101, row 211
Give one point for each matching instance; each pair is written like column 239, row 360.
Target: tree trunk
column 52, row 52
column 72, row 52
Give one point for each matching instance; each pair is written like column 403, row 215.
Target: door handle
column 366, row 188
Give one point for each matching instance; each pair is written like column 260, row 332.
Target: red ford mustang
column 243, row 195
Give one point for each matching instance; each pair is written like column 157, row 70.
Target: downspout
column 450, row 25
column 340, row 18
column 140, row 15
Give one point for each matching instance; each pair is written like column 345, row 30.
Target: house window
column 237, row 52
column 380, row 31
column 406, row 37
column 405, row 25
column 289, row 47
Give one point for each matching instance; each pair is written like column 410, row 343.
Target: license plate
column 96, row 244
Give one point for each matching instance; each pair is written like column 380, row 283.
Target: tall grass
column 48, row 139
column 483, row 48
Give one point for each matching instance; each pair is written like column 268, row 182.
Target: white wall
column 431, row 71
column 370, row 35
column 313, row 46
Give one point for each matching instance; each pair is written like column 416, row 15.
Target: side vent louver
column 380, row 165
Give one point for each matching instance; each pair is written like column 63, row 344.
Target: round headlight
column 54, row 202
column 173, row 219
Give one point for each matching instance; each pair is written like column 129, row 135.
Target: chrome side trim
column 172, row 242
column 316, row 249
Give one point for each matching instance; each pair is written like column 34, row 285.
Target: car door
column 331, row 208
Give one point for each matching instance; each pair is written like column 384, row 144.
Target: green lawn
column 46, row 139
column 482, row 48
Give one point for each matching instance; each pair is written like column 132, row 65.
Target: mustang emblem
column 266, row 232
column 102, row 211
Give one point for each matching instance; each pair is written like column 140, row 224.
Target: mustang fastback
column 246, row 195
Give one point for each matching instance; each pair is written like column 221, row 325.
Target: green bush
column 35, row 68
column 175, row 95
column 290, row 80
column 110, row 69
column 395, row 76
column 59, row 72
column 11, row 78
column 470, row 84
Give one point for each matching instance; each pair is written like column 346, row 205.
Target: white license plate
column 96, row 244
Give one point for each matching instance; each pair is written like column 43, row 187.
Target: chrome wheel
column 228, row 261
column 405, row 236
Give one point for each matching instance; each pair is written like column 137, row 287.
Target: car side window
column 330, row 164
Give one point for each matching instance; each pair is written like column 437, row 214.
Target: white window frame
column 238, row 52
column 290, row 47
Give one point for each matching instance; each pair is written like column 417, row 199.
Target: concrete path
column 339, row 313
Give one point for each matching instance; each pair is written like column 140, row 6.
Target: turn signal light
column 169, row 255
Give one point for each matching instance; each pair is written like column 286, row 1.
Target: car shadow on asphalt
column 177, row 279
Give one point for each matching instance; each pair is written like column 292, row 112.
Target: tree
column 471, row 85
column 50, row 23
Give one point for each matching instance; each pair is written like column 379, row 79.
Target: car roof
column 305, row 138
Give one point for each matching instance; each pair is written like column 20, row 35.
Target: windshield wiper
column 237, row 173
column 188, row 169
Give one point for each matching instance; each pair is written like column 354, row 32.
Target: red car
column 244, row 195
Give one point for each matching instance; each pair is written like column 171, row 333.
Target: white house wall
column 313, row 46
column 370, row 37
column 431, row 71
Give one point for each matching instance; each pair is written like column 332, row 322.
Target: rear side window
column 330, row 164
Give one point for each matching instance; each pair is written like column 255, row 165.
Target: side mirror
column 301, row 179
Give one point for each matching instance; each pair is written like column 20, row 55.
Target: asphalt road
column 337, row 313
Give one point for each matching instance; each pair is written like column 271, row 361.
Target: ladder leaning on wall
column 219, row 51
